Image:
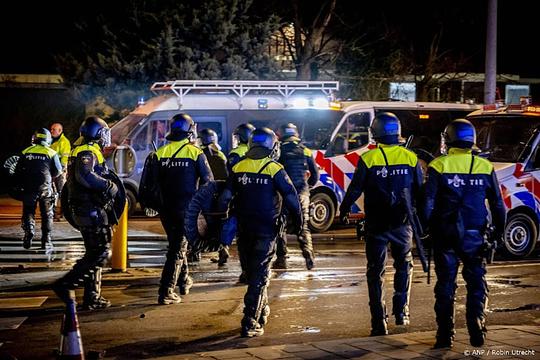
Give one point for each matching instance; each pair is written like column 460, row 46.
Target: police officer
column 216, row 158
column 182, row 168
column 456, row 189
column 90, row 195
column 240, row 138
column 300, row 166
column 259, row 177
column 383, row 174
column 62, row 146
column 36, row 170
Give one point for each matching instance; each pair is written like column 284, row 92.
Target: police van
column 337, row 155
column 337, row 132
column 509, row 137
column 221, row 106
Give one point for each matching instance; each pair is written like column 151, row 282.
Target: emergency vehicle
column 509, row 137
column 337, row 132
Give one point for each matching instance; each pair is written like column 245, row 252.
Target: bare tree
column 312, row 45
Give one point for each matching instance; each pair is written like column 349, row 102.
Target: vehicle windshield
column 503, row 139
column 121, row 130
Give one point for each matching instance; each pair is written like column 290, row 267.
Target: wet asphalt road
column 327, row 303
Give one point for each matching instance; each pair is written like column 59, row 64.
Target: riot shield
column 14, row 188
column 114, row 210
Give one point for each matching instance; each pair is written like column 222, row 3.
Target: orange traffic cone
column 71, row 343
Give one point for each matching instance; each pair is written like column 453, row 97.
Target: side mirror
column 124, row 160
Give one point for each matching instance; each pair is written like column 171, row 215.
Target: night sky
column 32, row 33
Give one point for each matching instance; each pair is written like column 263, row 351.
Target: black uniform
column 456, row 189
column 382, row 175
column 36, row 169
column 217, row 161
column 90, row 193
column 182, row 168
column 298, row 160
column 258, row 185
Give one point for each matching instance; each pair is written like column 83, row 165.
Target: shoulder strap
column 264, row 167
column 384, row 156
column 177, row 151
column 472, row 164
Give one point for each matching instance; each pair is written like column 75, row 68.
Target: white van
column 509, row 136
column 337, row 132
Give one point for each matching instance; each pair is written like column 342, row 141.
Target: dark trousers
column 304, row 238
column 97, row 244
column 447, row 262
column 400, row 240
column 256, row 250
column 46, row 202
column 176, row 264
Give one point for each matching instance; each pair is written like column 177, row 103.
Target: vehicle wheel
column 132, row 201
column 520, row 235
column 323, row 212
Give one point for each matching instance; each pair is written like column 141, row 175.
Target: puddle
column 509, row 282
column 519, row 308
column 304, row 329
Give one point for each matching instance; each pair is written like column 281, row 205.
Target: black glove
column 344, row 217
column 111, row 190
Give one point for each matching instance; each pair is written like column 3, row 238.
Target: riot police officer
column 36, row 170
column 259, row 176
column 383, row 175
column 240, row 138
column 300, row 166
column 62, row 146
column 182, row 167
column 90, row 199
column 457, row 187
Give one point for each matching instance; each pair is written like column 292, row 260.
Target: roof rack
column 241, row 88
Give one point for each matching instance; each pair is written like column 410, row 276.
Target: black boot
column 46, row 241
column 280, row 263
column 477, row 332
column 184, row 284
column 27, row 239
column 251, row 328
column 223, row 255
column 263, row 319
column 308, row 256
column 378, row 328
column 166, row 294
column 445, row 338
column 92, row 299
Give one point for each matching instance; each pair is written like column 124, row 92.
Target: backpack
column 149, row 190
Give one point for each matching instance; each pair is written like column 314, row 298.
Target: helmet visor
column 235, row 141
column 444, row 146
column 105, row 137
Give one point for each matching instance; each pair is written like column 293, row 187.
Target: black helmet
column 386, row 128
column 182, row 125
column 263, row 137
column 287, row 131
column 208, row 136
column 242, row 132
column 42, row 136
column 460, row 133
column 95, row 129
